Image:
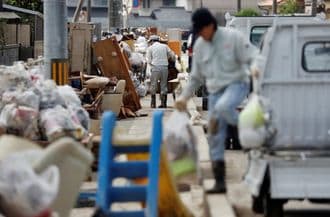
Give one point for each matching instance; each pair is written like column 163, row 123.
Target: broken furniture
column 95, row 86
column 113, row 100
column 113, row 63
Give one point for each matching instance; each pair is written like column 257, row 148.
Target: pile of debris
column 37, row 109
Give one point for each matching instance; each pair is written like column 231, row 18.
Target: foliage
column 35, row 5
column 289, row 7
column 248, row 12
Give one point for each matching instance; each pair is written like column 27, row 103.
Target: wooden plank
column 113, row 64
column 10, row 33
column 24, row 35
column 80, row 47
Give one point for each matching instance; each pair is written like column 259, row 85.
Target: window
column 316, row 56
column 168, row 2
column 256, row 34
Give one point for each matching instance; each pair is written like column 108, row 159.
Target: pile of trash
column 37, row 109
column 138, row 64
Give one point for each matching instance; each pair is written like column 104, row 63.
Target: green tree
column 35, row 5
column 289, row 7
column 248, row 12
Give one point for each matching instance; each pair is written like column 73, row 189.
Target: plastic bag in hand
column 251, row 125
column 180, row 143
column 23, row 192
column 179, row 136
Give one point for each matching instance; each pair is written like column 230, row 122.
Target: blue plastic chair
column 110, row 169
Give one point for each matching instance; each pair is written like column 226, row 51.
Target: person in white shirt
column 157, row 56
column 222, row 58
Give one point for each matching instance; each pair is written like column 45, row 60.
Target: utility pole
column 77, row 11
column 55, row 32
column 114, row 14
column 274, row 7
column 89, row 10
column 239, row 5
column 314, row 6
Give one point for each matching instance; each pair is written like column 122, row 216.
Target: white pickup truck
column 294, row 163
column 255, row 27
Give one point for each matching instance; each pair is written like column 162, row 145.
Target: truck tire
column 257, row 205
column 272, row 207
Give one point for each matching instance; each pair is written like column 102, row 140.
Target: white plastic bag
column 136, row 60
column 58, row 122
column 68, row 95
column 180, row 144
column 178, row 135
column 50, row 97
column 20, row 120
column 252, row 124
column 23, row 192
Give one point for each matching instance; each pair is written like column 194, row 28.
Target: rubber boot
column 162, row 101
column 165, row 100
column 219, row 173
column 153, row 101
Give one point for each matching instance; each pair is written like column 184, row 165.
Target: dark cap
column 202, row 17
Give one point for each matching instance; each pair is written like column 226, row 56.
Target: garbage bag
column 141, row 44
column 58, row 122
column 50, row 97
column 252, row 124
column 141, row 90
column 68, row 95
column 136, row 60
column 80, row 116
column 20, row 120
column 24, row 98
column 14, row 76
column 180, row 144
column 23, row 193
column 30, row 99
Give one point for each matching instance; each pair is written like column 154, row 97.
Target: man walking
column 222, row 58
column 157, row 56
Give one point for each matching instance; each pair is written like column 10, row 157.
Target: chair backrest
column 110, row 169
